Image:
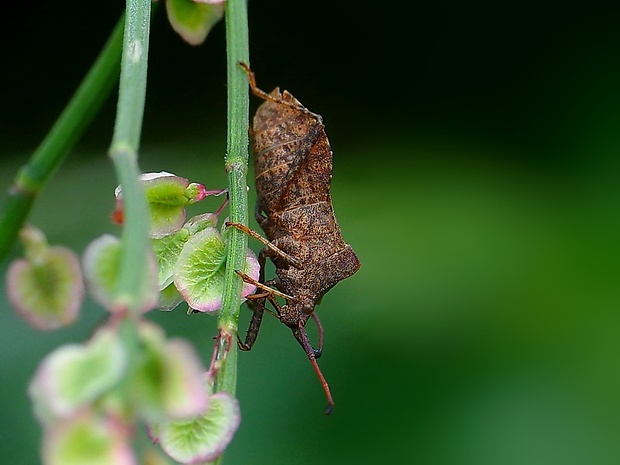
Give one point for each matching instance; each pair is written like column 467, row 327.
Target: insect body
column 293, row 170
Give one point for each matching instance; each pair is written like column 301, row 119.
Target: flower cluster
column 89, row 397
column 191, row 256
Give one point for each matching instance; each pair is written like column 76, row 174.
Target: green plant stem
column 69, row 127
column 237, row 49
column 124, row 154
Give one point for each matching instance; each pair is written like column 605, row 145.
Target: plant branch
column 124, row 154
column 237, row 50
column 69, row 127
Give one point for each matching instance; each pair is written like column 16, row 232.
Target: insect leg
column 258, row 308
column 291, row 260
column 266, row 288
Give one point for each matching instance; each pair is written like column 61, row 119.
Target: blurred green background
column 475, row 174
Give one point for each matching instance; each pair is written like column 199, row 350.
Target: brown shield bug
column 293, row 170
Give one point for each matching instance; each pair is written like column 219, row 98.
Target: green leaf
column 167, row 250
column 202, row 439
column 164, row 188
column 200, row 271
column 252, row 269
column 199, row 222
column 101, row 263
column 192, row 20
column 76, row 375
column 167, row 196
column 46, row 289
column 166, row 219
column 169, row 381
column 87, row 439
column 169, row 298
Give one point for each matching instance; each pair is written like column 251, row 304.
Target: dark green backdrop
column 475, row 173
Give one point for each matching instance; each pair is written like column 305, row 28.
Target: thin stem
column 69, row 127
column 237, row 50
column 124, row 154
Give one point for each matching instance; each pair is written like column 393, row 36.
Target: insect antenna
column 265, row 96
column 318, row 352
column 241, row 227
column 301, row 336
